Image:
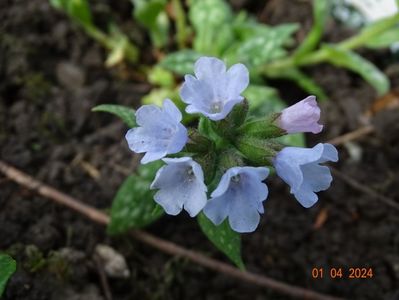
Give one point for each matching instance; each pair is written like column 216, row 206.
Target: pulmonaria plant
column 220, row 167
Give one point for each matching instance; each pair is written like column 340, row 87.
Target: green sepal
column 208, row 165
column 208, row 129
column 258, row 150
column 264, row 128
column 228, row 159
column 228, row 126
column 198, row 143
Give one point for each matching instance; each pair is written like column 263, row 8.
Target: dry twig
column 163, row 245
column 353, row 135
column 364, row 189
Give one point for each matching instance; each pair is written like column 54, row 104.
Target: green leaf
column 157, row 96
column 78, row 10
column 151, row 14
column 209, row 19
column 134, row 205
column 263, row 100
column 126, row 114
column 265, row 44
column 321, row 9
column 181, row 62
column 354, row 62
column 147, row 11
column 384, row 40
column 224, row 238
column 7, row 267
column 160, row 76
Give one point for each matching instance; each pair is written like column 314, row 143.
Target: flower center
column 168, row 131
column 236, row 178
column 216, row 107
column 190, row 174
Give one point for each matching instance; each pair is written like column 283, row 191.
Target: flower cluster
column 221, row 167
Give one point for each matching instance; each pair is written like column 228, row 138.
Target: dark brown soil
column 52, row 74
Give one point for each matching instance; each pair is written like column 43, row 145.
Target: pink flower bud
column 301, row 117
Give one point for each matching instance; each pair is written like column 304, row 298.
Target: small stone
column 114, row 263
column 70, row 76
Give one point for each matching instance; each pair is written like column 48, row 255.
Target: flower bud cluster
column 220, row 167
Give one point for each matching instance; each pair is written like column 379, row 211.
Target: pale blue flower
column 239, row 197
column 181, row 185
column 213, row 92
column 160, row 132
column 300, row 169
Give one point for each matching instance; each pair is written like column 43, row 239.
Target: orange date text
column 341, row 272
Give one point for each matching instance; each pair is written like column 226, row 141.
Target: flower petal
column 170, row 108
column 306, row 197
column 243, row 214
column 180, row 185
column 237, row 80
column 160, row 132
column 209, row 68
column 152, row 156
column 217, row 209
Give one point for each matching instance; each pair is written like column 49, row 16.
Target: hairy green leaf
column 224, row 238
column 262, row 100
column 133, row 205
column 181, row 62
column 126, row 114
column 263, row 45
column 210, row 19
column 359, row 65
column 7, row 268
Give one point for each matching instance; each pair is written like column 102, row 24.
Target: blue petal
column 330, row 153
column 306, row 197
column 209, row 68
column 240, row 200
column 177, row 190
column 170, row 108
column 147, row 115
column 152, row 156
column 161, row 132
column 214, row 91
column 237, row 80
column 243, row 213
column 179, row 139
column 217, row 209
column 301, row 170
column 288, row 161
column 225, row 182
column 318, row 177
